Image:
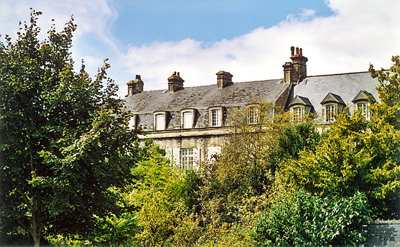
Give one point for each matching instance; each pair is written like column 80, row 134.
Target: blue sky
column 250, row 39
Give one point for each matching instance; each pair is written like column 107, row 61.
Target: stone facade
column 192, row 123
column 383, row 233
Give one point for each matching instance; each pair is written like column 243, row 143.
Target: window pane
column 297, row 114
column 253, row 116
column 363, row 108
column 187, row 120
column 215, row 117
column 160, row 123
column 330, row 113
column 187, row 158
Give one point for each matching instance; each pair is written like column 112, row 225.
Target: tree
column 244, row 161
column 64, row 138
column 359, row 155
column 162, row 214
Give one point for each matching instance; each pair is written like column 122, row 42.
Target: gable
column 362, row 95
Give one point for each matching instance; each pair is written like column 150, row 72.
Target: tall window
column 160, row 121
column 187, row 120
column 297, row 114
column 215, row 117
column 253, row 115
column 330, row 113
column 187, row 158
column 363, row 108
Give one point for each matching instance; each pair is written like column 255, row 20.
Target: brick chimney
column 135, row 86
column 224, row 79
column 175, row 82
column 296, row 70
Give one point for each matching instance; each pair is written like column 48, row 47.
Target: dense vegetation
column 72, row 173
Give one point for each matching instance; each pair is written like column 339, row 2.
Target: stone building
column 192, row 123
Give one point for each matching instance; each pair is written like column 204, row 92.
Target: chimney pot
column 135, row 86
column 175, row 82
column 296, row 70
column 224, row 79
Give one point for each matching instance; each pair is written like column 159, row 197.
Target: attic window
column 332, row 105
column 361, row 103
column 252, row 114
column 330, row 113
column 215, row 118
column 297, row 114
column 187, row 118
column 160, row 120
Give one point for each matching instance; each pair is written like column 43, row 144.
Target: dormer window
column 298, row 114
column 363, row 107
column 252, row 114
column 330, row 113
column 300, row 107
column 187, row 118
column 160, row 120
column 361, row 103
column 332, row 105
column 215, row 119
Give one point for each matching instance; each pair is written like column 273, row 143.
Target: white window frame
column 215, row 121
column 187, row 158
column 185, row 125
column 253, row 114
column 330, row 112
column 163, row 125
column 364, row 108
column 298, row 113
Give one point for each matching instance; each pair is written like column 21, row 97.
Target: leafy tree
column 359, row 155
column 244, row 161
column 162, row 214
column 294, row 139
column 64, row 137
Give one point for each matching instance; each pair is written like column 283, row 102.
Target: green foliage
column 359, row 155
column 64, row 138
column 306, row 220
column 162, row 214
column 116, row 230
column 243, row 163
column 293, row 140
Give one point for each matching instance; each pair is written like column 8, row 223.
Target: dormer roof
column 299, row 100
column 362, row 95
column 332, row 98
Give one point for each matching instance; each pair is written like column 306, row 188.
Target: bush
column 307, row 220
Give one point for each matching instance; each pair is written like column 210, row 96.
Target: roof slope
column 347, row 86
column 205, row 96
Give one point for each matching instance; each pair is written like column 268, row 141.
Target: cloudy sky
column 250, row 39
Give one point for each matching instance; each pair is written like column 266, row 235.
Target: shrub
column 307, row 220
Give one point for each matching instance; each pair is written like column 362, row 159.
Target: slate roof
column 346, row 85
column 206, row 96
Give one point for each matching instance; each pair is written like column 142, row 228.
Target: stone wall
column 383, row 233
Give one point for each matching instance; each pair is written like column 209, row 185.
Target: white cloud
column 358, row 33
column 94, row 17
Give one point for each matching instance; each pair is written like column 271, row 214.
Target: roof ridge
column 346, row 73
